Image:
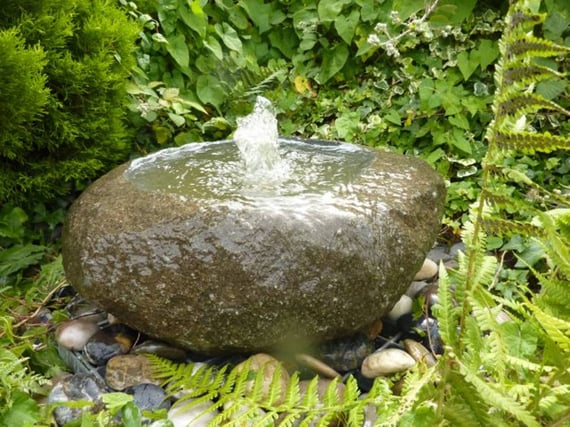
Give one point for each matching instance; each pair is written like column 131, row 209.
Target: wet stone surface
column 403, row 339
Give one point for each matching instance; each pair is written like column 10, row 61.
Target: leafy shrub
column 63, row 71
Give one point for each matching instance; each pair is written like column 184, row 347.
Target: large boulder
column 224, row 276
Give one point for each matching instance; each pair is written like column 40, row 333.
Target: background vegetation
column 88, row 83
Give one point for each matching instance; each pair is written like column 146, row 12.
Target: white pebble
column 429, row 270
column 74, row 334
column 181, row 414
column 386, row 362
column 402, row 307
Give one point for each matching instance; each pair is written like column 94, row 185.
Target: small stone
column 316, row 365
column 160, row 349
column 419, row 352
column 149, row 397
column 346, row 354
column 428, row 271
column 415, row 288
column 184, row 414
column 401, row 308
column 268, row 365
column 386, row 362
column 128, row 370
column 428, row 329
column 71, row 389
column 74, row 334
column 104, row 345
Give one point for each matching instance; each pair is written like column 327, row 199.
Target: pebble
column 316, row 365
column 427, row 271
column 419, row 352
column 71, row 389
column 128, row 370
column 428, row 329
column 104, row 345
column 401, row 308
column 268, row 365
column 160, row 349
column 149, row 397
column 415, row 288
column 184, row 414
column 74, row 334
column 346, row 354
column 386, row 362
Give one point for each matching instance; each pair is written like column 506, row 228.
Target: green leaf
column 459, row 141
column 407, row 8
column 330, row 9
column 19, row 257
column 177, row 119
column 333, row 61
column 521, row 340
column 24, row 411
column 346, row 25
column 393, row 117
column 210, row 90
column 466, row 64
column 194, row 17
column 460, row 121
column 488, row 53
column 214, row 46
column 259, row 12
column 229, row 36
column 347, row 124
column 178, row 49
column 11, row 223
column 551, row 89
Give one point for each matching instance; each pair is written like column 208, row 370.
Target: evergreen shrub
column 64, row 64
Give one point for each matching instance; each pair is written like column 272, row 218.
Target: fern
column 491, row 373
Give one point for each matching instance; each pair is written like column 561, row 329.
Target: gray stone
column 229, row 277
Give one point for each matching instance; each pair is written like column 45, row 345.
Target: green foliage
column 505, row 360
column 63, row 69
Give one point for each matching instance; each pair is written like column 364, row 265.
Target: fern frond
column 414, row 385
column 530, row 143
column 532, row 46
column 466, row 401
column 503, row 227
column 519, row 105
column 496, row 399
column 557, row 329
column 519, row 75
column 522, row 20
column 447, row 311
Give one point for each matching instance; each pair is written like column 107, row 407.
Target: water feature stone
column 247, row 271
column 74, row 334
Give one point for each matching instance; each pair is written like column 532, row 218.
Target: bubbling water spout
column 257, row 140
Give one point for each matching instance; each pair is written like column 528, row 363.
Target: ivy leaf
column 466, row 64
column 347, row 124
column 488, row 52
column 259, row 12
column 407, row 8
column 210, row 90
column 194, row 18
column 459, row 141
column 214, row 46
column 229, row 36
column 333, row 61
column 329, row 10
column 346, row 25
column 178, row 49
